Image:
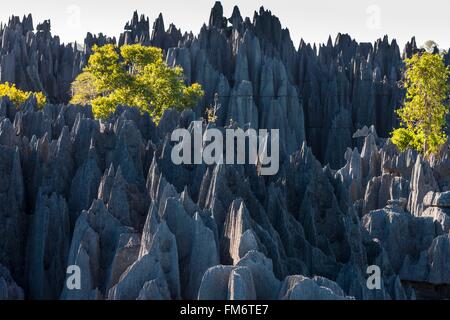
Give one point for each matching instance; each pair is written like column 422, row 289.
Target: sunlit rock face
column 105, row 195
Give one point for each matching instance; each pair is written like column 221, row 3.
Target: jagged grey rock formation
column 9, row 290
column 106, row 197
column 48, row 246
column 302, row 288
column 37, row 61
column 12, row 212
column 440, row 200
column 261, row 78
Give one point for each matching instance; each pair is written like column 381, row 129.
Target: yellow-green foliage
column 83, row 89
column 18, row 97
column 423, row 114
column 132, row 75
column 211, row 115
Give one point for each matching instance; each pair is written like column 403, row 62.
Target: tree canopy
column 423, row 116
column 132, row 75
column 18, row 96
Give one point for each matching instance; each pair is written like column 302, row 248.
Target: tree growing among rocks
column 132, row 75
column 19, row 97
column 426, row 106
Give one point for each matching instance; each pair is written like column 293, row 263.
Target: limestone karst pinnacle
column 106, row 196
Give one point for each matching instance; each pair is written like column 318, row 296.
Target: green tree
column 132, row 75
column 18, row 96
column 426, row 105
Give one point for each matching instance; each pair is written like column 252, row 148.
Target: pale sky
column 312, row 20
